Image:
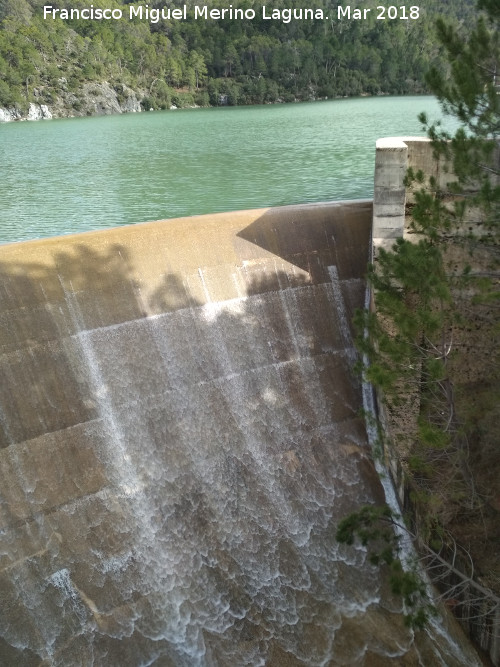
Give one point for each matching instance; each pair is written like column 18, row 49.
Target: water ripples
column 74, row 175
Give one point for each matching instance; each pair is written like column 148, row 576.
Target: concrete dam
column 181, row 433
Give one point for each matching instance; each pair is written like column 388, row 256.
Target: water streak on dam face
column 180, row 435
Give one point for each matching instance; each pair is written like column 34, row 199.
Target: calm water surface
column 72, row 175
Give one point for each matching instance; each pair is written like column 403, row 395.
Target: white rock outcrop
column 103, row 99
column 92, row 99
column 45, row 111
column 7, row 115
column 38, row 112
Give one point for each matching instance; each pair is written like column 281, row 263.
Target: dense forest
column 197, row 61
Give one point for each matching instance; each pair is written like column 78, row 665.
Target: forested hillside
column 201, row 61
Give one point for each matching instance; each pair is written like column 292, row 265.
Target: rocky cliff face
column 94, row 99
column 35, row 112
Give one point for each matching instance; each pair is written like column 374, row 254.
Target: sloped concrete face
column 180, row 435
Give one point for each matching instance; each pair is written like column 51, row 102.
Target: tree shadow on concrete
column 48, row 428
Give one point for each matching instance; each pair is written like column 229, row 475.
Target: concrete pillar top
column 397, row 143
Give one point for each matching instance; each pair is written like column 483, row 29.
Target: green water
column 72, row 175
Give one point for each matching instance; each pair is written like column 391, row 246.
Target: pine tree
column 422, row 301
column 472, row 95
column 437, row 297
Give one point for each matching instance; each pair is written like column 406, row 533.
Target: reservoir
column 72, row 175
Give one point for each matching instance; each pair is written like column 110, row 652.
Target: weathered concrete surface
column 52, row 289
column 393, row 157
column 180, row 434
column 389, row 196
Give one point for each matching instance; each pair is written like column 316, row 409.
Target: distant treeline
column 211, row 62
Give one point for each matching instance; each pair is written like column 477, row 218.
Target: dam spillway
column 181, row 432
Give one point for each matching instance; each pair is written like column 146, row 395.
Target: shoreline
column 38, row 112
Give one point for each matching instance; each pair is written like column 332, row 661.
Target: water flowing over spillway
column 181, row 434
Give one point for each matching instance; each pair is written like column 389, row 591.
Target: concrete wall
column 55, row 288
column 394, row 156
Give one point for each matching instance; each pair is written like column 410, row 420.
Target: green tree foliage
column 422, row 301
column 373, row 527
column 472, row 95
column 247, row 60
column 437, row 296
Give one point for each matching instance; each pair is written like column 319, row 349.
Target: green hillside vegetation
column 209, row 62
